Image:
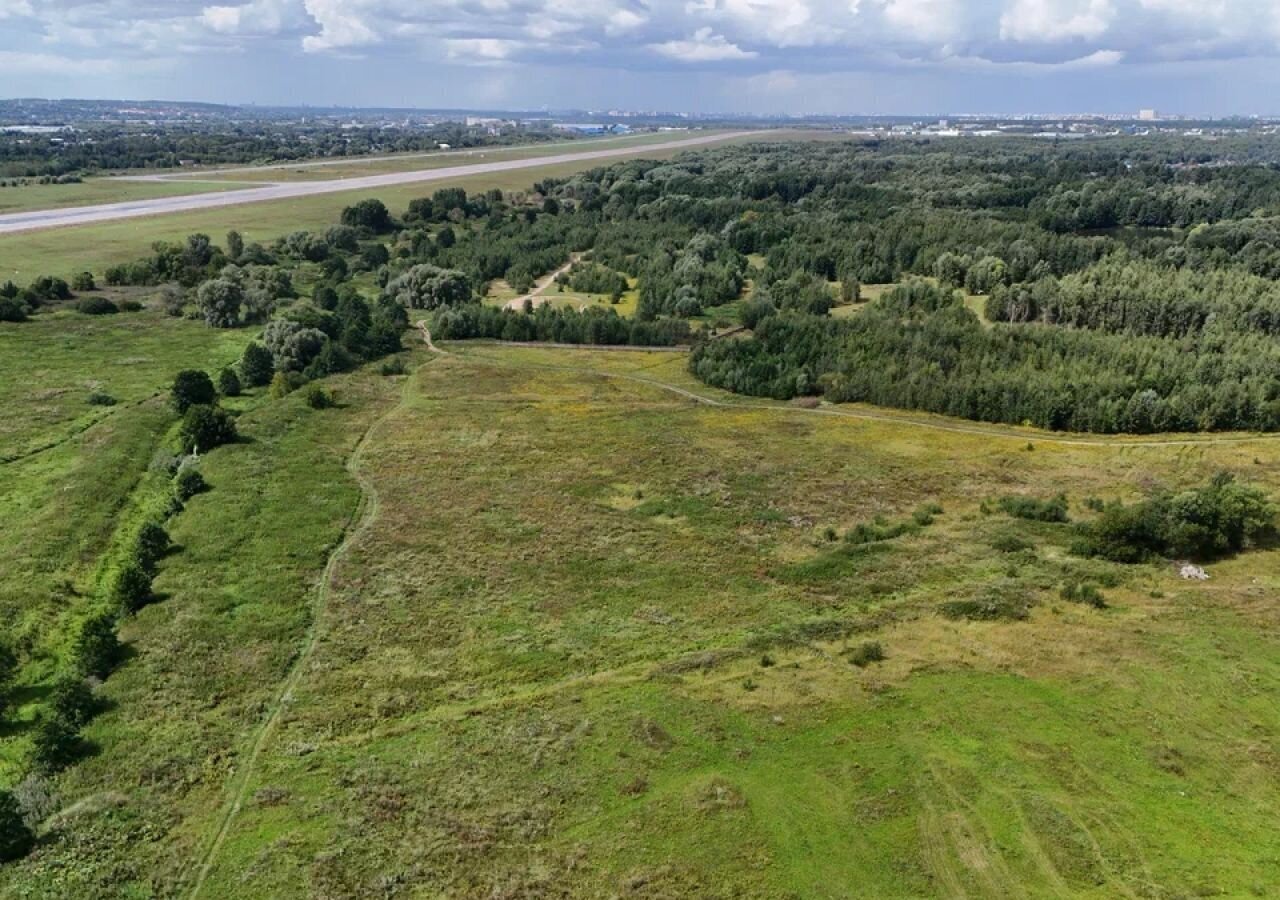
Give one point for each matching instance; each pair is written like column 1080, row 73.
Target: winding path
column 361, row 519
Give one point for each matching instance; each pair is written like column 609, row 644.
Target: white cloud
column 11, row 9
column 481, row 49
column 702, row 47
column 1051, row 21
column 341, row 26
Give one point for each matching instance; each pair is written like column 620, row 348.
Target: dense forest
column 1107, row 286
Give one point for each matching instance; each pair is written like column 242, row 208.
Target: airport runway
column 41, row 220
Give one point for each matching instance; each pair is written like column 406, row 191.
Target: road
column 41, row 220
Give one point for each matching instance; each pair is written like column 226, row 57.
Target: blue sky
column 820, row 56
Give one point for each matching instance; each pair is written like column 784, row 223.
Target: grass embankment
column 597, row 639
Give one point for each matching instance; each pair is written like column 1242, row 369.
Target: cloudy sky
column 830, row 56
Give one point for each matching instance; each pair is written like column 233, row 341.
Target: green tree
column 95, row 649
column 228, row 382
column 430, row 287
column 192, row 387
column 235, row 245
column 256, row 365
column 205, row 427
column 220, row 300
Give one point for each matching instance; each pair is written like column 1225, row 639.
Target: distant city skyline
column 874, row 57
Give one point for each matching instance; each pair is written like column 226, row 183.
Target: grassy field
column 93, row 191
column 551, row 629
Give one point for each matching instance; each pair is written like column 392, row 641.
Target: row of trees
column 594, row 325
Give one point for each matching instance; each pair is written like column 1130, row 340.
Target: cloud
column 1052, row 20
column 702, row 47
column 341, row 26
column 481, row 50
column 11, row 9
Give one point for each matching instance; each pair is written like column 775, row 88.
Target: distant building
column 1148, row 115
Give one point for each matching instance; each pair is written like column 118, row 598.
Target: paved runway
column 40, row 220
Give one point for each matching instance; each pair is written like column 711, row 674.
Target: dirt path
column 362, row 517
column 40, row 220
column 541, row 285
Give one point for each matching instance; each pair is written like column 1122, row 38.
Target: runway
column 42, row 220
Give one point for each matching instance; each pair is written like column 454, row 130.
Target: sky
column 1198, row 57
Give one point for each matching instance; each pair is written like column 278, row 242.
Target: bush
column 98, row 398
column 1205, row 523
column 256, row 365
column 1036, row 510
column 393, row 367
column 1007, row 542
column 152, row 544
column 1001, row 602
column 318, row 398
column 285, row 383
column 95, row 649
column 220, row 300
column 12, row 310
column 205, row 427
column 130, row 306
column 192, row 387
column 55, row 744
column 72, row 700
column 865, row 654
column 130, row 587
column 1083, row 592
column 83, row 282
column 187, row 483
column 229, row 383
column 16, row 839
column 96, row 306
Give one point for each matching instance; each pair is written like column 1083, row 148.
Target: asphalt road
column 41, row 220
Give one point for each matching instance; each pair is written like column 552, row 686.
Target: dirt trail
column 541, row 285
column 363, row 516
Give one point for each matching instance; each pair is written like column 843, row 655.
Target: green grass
column 91, row 192
column 540, row 669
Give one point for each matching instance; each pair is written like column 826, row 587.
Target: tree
column 430, row 287
column 72, row 700
column 235, row 245
column 256, row 365
column 83, row 282
column 152, row 544
column 131, row 585
column 228, row 382
column 293, row 345
column 96, row 649
column 219, row 301
column 192, row 387
column 55, row 744
column 16, row 839
column 371, row 214
column 205, row 427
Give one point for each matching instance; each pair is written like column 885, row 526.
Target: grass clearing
column 543, row 664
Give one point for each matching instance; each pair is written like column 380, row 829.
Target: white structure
column 1147, row 115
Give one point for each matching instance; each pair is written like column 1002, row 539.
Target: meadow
column 527, row 622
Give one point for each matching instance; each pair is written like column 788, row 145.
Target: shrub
column 12, row 310
column 1007, row 542
column 229, row 383
column 55, row 744
column 285, row 383
column 72, row 700
column 95, row 649
column 1034, row 509
column 393, row 367
column 16, row 839
column 98, row 398
column 192, row 387
column 1083, row 592
column 205, row 427
column 152, row 544
column 83, row 282
column 318, row 398
column 96, row 306
column 256, row 365
column 1000, row 602
column 187, row 483
column 865, row 654
column 130, row 306
column 1209, row 522
column 130, row 586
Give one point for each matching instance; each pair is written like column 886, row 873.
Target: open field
column 64, row 251
column 94, row 191
column 586, row 636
